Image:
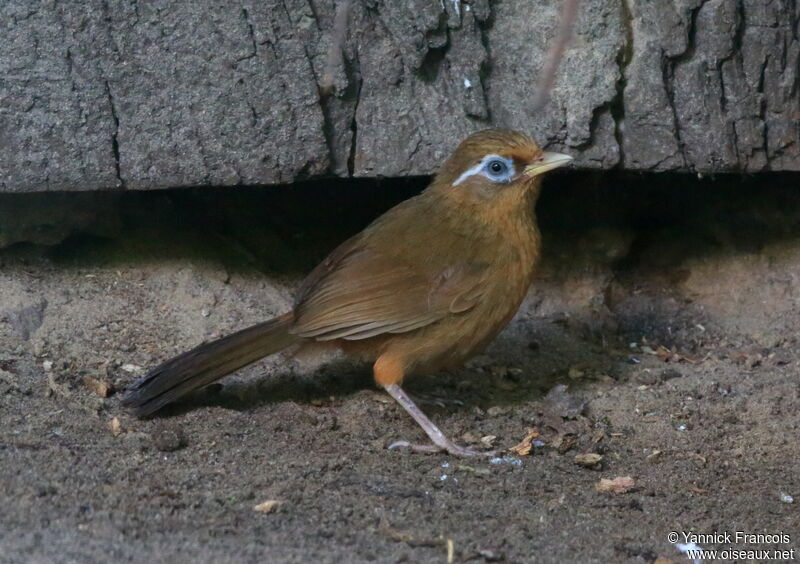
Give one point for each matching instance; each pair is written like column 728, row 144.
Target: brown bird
column 424, row 287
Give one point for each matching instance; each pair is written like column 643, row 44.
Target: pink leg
column 439, row 439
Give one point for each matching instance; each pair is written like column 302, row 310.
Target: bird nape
column 424, row 287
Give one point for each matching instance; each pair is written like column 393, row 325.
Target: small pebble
column 588, row 460
column 168, row 440
column 786, row 498
column 513, row 460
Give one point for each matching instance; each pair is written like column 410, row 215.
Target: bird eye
column 497, row 170
column 497, row 167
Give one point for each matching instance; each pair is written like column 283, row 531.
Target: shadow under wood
column 283, row 229
column 290, row 228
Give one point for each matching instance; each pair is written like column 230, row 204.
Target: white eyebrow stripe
column 471, row 172
column 479, row 167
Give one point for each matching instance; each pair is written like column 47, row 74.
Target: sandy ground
column 671, row 318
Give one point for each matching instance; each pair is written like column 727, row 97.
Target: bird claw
column 413, row 448
column 450, row 448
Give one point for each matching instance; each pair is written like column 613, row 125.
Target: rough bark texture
column 146, row 94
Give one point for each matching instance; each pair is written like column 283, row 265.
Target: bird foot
column 450, row 448
column 440, row 441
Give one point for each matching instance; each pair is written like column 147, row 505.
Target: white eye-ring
column 497, row 169
column 493, row 167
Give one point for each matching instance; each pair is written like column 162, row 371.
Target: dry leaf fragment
column 564, row 442
column 525, row 445
column 488, row 440
column 469, row 438
column 115, row 426
column 390, row 532
column 268, row 506
column 619, row 485
column 588, row 460
column 654, row 457
column 575, row 373
column 99, row 387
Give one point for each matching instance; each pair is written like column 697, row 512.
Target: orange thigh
column 388, row 370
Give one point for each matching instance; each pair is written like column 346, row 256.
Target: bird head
column 497, row 161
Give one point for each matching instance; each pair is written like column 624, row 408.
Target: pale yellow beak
column 546, row 161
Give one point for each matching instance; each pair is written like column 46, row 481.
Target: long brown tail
column 207, row 363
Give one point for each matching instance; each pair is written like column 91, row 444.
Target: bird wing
column 359, row 292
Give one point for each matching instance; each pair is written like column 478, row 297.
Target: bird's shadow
column 245, row 394
column 482, row 384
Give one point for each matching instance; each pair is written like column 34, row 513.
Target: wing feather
column 359, row 292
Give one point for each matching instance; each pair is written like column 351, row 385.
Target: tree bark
column 139, row 94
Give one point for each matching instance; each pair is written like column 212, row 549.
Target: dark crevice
column 668, row 75
column 429, row 68
column 68, row 57
column 795, row 15
column 251, row 35
column 739, row 29
column 351, row 159
column 334, row 102
column 328, row 131
column 485, row 70
column 597, row 113
column 135, row 5
column 735, row 54
column 734, row 132
column 287, row 12
column 314, row 14
column 624, row 57
column 691, row 34
column 668, row 65
column 435, row 56
column 327, row 122
column 253, row 113
column 114, row 136
column 762, row 109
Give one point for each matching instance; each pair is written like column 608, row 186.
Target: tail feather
column 207, row 363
